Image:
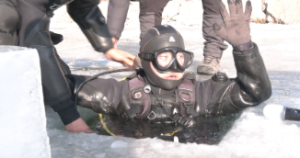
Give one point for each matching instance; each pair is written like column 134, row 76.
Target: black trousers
column 213, row 45
column 150, row 14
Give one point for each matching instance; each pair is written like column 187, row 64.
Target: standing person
column 150, row 15
column 213, row 45
column 26, row 23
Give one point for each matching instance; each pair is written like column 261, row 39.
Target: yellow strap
column 101, row 119
column 170, row 134
column 105, row 127
column 123, row 79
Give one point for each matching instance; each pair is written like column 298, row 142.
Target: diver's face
column 167, row 75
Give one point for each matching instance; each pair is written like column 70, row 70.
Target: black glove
column 237, row 31
column 55, row 4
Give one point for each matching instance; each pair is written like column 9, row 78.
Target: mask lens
column 180, row 58
column 164, row 59
column 183, row 58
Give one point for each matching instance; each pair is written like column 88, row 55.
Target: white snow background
column 252, row 135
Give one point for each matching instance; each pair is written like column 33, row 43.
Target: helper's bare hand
column 120, row 56
column 237, row 29
column 78, row 126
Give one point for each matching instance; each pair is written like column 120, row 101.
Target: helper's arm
column 92, row 23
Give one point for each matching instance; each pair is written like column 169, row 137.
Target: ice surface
column 22, row 113
column 119, row 144
column 252, row 135
column 274, row 111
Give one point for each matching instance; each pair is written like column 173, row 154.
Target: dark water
column 208, row 130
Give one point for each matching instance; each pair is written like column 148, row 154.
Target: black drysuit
column 213, row 97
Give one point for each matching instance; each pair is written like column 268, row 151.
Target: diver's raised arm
column 253, row 80
column 252, row 85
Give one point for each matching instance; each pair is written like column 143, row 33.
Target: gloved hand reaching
column 237, row 31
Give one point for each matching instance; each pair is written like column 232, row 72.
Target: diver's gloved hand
column 237, row 31
column 55, row 4
column 184, row 121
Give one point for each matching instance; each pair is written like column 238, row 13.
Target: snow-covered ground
column 252, row 135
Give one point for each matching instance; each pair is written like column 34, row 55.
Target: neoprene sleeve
column 251, row 87
column 88, row 16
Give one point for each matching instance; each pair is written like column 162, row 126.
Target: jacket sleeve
column 250, row 88
column 100, row 95
column 116, row 16
column 91, row 21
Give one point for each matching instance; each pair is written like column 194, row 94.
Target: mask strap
column 146, row 56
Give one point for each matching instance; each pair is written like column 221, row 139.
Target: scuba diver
column 26, row 23
column 162, row 92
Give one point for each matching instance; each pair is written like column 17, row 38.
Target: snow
column 274, row 111
column 23, row 121
column 119, row 144
column 252, row 135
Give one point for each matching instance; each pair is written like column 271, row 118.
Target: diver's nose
column 174, row 67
